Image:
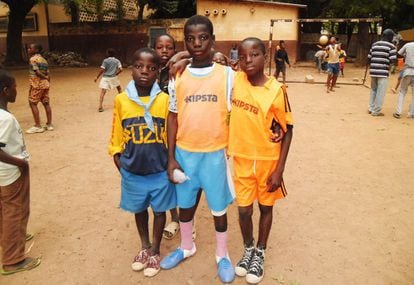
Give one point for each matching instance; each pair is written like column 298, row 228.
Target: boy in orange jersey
column 260, row 107
column 197, row 137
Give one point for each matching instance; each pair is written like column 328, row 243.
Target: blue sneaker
column 175, row 257
column 225, row 270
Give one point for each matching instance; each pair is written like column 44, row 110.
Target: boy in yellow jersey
column 138, row 146
column 197, row 138
column 260, row 108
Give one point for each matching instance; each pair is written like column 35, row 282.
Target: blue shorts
column 139, row 192
column 333, row 68
column 208, row 171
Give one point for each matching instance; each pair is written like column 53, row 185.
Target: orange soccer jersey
column 255, row 111
column 202, row 110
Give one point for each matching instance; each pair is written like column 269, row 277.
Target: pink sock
column 221, row 239
column 186, row 230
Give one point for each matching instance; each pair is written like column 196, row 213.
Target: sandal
column 27, row 264
column 29, row 236
column 171, row 230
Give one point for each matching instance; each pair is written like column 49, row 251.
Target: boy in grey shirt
column 110, row 68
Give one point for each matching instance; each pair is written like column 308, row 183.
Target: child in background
column 109, row 70
column 342, row 60
column 164, row 46
column 220, row 58
column 14, row 185
column 259, row 151
column 39, row 88
column 138, row 146
column 197, row 138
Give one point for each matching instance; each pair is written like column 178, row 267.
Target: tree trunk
column 18, row 12
column 140, row 12
column 74, row 12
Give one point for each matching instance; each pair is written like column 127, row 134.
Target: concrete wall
column 246, row 19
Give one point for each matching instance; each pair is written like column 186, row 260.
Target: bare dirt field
column 348, row 218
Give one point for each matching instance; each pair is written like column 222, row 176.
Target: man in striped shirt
column 380, row 56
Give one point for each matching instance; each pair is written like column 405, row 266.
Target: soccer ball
column 323, row 40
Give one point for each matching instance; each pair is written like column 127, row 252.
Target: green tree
column 18, row 9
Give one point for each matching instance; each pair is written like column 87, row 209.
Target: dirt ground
column 348, row 218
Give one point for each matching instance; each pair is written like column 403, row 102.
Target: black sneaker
column 243, row 265
column 256, row 268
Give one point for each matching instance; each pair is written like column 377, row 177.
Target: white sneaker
column 49, row 127
column 34, row 130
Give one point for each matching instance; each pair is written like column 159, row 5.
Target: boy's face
column 251, row 58
column 145, row 70
column 164, row 47
column 199, row 42
column 219, row 58
column 31, row 50
column 11, row 92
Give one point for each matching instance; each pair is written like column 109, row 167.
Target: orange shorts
column 38, row 95
column 250, row 177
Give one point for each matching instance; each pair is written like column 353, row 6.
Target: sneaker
column 243, row 265
column 369, row 112
column 101, row 109
column 153, row 266
column 225, row 270
column 396, row 115
column 175, row 257
column 141, row 260
column 410, row 116
column 256, row 268
column 49, row 127
column 35, row 130
column 377, row 114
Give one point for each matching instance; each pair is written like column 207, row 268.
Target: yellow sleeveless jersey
column 255, row 110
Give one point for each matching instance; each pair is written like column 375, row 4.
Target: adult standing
column 407, row 51
column 381, row 55
column 332, row 54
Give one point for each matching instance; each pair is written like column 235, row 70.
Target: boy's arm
column 22, row 164
column 172, row 127
column 41, row 74
column 287, row 59
column 119, row 69
column 275, row 180
column 102, row 70
column 116, row 143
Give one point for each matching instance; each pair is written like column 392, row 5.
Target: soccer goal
column 308, row 44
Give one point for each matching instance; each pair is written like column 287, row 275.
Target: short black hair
column 6, row 79
column 164, row 35
column 258, row 41
column 281, row 42
column 138, row 53
column 110, row 52
column 199, row 20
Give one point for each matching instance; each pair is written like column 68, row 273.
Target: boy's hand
column 172, row 164
column 178, row 67
column 24, row 166
column 274, row 181
column 117, row 161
